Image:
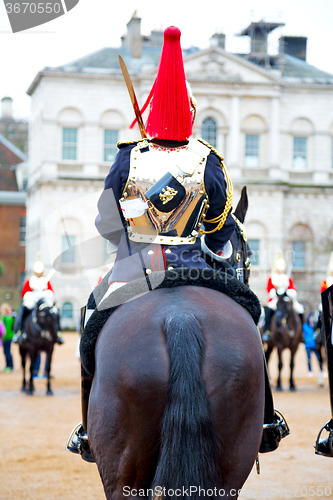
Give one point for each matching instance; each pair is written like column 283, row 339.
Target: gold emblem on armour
column 167, row 195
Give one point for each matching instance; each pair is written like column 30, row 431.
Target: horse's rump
column 180, row 390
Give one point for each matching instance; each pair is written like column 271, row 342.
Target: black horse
column 177, row 399
column 286, row 333
column 40, row 334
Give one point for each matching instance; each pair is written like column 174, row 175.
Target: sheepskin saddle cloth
column 223, row 280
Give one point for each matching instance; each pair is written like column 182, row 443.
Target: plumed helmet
column 38, row 267
column 170, row 108
column 280, row 264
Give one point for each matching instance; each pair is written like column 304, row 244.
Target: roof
column 10, row 156
column 106, row 62
column 296, row 68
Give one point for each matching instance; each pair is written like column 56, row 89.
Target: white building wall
column 279, row 197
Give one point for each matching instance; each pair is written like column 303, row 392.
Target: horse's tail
column 190, row 453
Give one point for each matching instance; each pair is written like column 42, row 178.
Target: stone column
column 274, row 153
column 234, row 138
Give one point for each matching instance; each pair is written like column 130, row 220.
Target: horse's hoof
column 49, row 393
column 292, row 388
column 29, row 393
column 23, row 389
column 278, row 388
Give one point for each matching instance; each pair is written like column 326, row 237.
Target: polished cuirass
column 164, row 199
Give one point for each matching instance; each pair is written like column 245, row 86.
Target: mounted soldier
column 166, row 204
column 35, row 288
column 279, row 282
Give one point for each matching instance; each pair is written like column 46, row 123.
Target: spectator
column 7, row 318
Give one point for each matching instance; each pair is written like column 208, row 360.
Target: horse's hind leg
column 280, row 365
column 292, row 386
column 47, row 373
column 23, row 353
column 31, row 389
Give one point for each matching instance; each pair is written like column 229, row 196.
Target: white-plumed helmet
column 280, row 264
column 38, row 267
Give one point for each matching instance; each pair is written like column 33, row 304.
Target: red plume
column 169, row 105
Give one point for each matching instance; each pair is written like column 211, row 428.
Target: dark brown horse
column 177, row 399
column 40, row 334
column 286, row 333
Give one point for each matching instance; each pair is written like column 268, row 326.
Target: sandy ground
column 34, row 464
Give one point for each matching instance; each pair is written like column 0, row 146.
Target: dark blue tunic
column 135, row 259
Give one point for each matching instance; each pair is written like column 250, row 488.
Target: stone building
column 271, row 116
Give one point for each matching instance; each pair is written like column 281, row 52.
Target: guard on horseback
column 279, row 282
column 166, row 204
column 35, row 288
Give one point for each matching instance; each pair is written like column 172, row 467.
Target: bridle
column 241, row 262
column 44, row 332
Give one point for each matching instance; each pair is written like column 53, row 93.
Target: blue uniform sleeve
column 110, row 222
column 216, row 188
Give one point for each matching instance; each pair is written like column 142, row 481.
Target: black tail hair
column 190, row 452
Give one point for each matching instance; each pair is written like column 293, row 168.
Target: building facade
column 270, row 116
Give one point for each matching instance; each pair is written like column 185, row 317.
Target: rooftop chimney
column 134, row 38
column 293, row 46
column 7, row 107
column 218, row 40
column 258, row 33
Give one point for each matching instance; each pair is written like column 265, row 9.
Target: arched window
column 208, row 131
column 67, row 310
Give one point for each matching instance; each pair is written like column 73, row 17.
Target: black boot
column 22, row 315
column 275, row 425
column 78, row 440
column 268, row 317
column 324, row 446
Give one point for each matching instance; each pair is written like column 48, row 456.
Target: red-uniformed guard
column 35, row 288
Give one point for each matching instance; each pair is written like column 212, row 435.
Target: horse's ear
column 242, row 206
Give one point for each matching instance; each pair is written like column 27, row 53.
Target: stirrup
column 273, row 433
column 324, row 446
column 78, row 443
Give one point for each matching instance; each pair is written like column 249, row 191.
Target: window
column 69, row 143
column 251, row 150
column 254, row 246
column 22, row 228
column 299, row 157
column 299, row 255
column 110, row 144
column 208, row 131
column 67, row 310
column 68, row 249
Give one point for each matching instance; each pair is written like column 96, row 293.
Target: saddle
column 222, row 280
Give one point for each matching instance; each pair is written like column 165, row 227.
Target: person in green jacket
column 6, row 313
